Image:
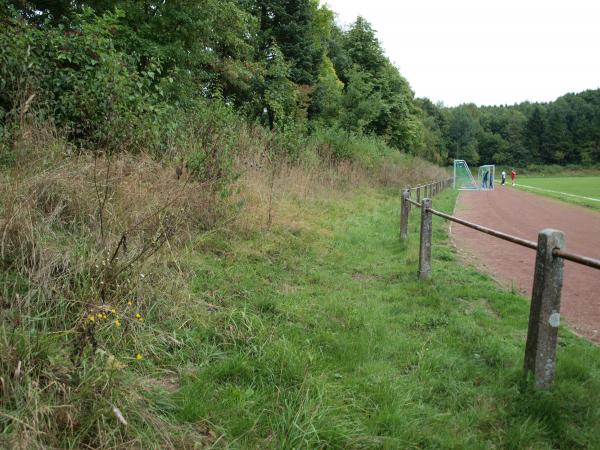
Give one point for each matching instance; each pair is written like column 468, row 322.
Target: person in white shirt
column 503, row 177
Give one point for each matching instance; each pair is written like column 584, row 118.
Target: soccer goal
column 485, row 176
column 463, row 178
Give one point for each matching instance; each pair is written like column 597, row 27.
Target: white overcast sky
column 489, row 52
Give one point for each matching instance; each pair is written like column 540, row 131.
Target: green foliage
column 563, row 132
column 327, row 96
column 362, row 103
column 115, row 74
column 280, row 95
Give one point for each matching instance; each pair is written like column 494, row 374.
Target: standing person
column 513, row 176
column 484, row 184
column 503, row 175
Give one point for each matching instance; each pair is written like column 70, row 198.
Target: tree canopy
column 282, row 63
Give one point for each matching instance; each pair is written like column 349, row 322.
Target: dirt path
column 523, row 214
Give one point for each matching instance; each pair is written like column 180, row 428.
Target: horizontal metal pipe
column 574, row 257
column 584, row 260
column 507, row 237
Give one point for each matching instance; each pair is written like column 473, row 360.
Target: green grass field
column 322, row 337
column 576, row 186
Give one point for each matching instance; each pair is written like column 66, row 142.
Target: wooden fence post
column 544, row 314
column 418, row 194
column 404, row 213
column 425, row 244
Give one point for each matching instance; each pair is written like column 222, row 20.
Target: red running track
column 523, row 214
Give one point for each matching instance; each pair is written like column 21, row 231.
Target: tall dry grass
column 92, row 246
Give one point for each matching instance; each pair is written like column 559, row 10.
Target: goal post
column 463, row 178
column 486, row 176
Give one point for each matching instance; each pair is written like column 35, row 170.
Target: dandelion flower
column 91, row 318
column 117, row 323
column 137, row 315
column 138, row 356
column 114, row 311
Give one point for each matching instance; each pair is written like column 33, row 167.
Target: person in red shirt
column 513, row 176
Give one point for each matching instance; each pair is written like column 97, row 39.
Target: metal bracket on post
column 404, row 213
column 425, row 243
column 544, row 315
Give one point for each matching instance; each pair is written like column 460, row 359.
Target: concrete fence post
column 425, row 243
column 544, row 314
column 404, row 213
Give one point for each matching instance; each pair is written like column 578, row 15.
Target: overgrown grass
column 579, row 187
column 285, row 315
column 99, row 323
column 312, row 332
column 319, row 336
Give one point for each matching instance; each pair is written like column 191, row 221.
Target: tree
column 363, row 48
column 462, row 133
column 327, row 96
column 291, row 25
column 534, row 138
column 361, row 103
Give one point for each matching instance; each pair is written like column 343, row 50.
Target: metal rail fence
column 544, row 314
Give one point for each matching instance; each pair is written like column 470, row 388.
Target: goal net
column 485, row 176
column 463, row 178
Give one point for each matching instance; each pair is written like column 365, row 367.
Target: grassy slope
column 320, row 336
column 582, row 186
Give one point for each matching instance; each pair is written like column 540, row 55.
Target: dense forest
column 130, row 75
column 117, row 73
column 563, row 132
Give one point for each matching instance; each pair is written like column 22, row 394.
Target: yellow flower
column 117, row 323
column 91, row 318
column 141, row 319
column 138, row 356
column 114, row 311
column 138, row 316
column 129, row 303
column 99, row 315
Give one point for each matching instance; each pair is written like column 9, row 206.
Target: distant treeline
column 117, row 72
column 563, row 132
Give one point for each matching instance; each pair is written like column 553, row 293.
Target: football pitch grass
column 584, row 191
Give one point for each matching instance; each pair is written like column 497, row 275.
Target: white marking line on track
column 558, row 192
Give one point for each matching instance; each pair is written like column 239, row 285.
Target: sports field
column 524, row 214
column 583, row 191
